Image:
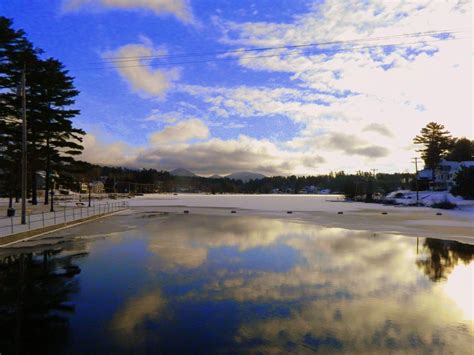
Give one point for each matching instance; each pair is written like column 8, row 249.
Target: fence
column 12, row 225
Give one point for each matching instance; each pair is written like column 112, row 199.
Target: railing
column 12, row 225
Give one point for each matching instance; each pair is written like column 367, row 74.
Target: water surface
column 149, row 282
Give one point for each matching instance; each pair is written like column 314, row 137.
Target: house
column 445, row 174
column 96, row 187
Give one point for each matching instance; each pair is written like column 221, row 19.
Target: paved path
column 40, row 216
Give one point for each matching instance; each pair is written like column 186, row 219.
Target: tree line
column 116, row 178
column 52, row 139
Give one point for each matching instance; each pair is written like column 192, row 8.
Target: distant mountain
column 182, row 172
column 215, row 177
column 245, row 176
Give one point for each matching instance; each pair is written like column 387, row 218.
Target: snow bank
column 426, row 198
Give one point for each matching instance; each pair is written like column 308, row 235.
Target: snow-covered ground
column 428, row 198
column 283, row 203
column 326, row 210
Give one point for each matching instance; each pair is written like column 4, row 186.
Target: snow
column 427, row 198
column 277, row 203
column 323, row 210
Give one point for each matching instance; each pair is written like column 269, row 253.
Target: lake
column 149, row 282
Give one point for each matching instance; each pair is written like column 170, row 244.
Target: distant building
column 325, row 191
column 445, row 174
column 310, row 190
column 96, row 187
column 84, row 188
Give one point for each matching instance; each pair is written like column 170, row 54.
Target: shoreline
column 324, row 210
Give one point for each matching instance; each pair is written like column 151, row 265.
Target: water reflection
column 208, row 284
column 443, row 256
column 34, row 308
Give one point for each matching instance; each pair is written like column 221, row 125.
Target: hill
column 245, row 176
column 182, row 172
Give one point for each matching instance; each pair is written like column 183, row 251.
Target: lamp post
column 90, row 188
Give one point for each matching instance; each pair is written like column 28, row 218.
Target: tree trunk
column 34, row 190
column 47, row 176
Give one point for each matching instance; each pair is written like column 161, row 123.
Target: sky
column 171, row 84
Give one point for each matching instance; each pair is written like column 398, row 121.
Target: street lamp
column 90, row 188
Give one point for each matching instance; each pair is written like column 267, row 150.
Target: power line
column 323, row 51
column 296, row 46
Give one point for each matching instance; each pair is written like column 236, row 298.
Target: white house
column 444, row 175
column 96, row 187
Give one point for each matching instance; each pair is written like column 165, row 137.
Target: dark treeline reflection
column 443, row 256
column 34, row 294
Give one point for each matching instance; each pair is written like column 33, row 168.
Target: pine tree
column 60, row 140
column 436, row 142
column 16, row 52
column 50, row 92
column 462, row 149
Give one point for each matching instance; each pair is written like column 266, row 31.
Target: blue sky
column 310, row 110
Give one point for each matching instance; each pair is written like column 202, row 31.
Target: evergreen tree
column 462, row 150
column 52, row 139
column 464, row 183
column 16, row 53
column 436, row 143
column 60, row 140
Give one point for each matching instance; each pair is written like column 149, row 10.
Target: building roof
column 467, row 163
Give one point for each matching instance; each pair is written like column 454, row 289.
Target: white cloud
column 183, row 131
column 245, row 101
column 139, row 73
column 170, row 149
column 179, row 8
column 397, row 91
column 357, row 108
column 111, row 153
column 219, row 156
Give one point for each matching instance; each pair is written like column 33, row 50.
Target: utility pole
column 416, row 179
column 90, row 188
column 23, row 147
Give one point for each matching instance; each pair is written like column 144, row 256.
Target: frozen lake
column 148, row 281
